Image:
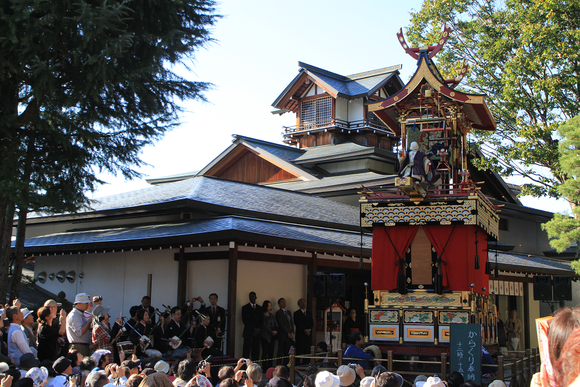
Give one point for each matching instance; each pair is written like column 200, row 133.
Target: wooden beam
column 232, row 294
column 310, row 299
column 181, row 277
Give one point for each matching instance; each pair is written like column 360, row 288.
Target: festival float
column 431, row 227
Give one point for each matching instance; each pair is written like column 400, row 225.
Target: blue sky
column 258, row 45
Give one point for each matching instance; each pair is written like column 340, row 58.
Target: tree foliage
column 562, row 229
column 85, row 85
column 525, row 56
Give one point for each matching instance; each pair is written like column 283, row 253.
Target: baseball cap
column 97, row 298
column 52, row 302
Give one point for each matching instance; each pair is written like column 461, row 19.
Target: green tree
column 525, row 56
column 85, row 85
column 563, row 229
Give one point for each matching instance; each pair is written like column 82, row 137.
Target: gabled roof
column 473, row 104
column 191, row 232
column 279, row 155
column 336, row 85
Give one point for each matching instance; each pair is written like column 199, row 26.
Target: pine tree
column 85, row 85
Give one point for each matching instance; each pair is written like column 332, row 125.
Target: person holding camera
column 354, row 351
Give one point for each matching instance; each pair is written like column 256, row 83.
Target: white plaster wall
column 355, row 110
column 341, row 109
column 120, row 278
column 534, row 313
column 270, row 281
column 206, row 277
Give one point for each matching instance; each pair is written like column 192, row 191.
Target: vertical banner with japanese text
column 466, row 351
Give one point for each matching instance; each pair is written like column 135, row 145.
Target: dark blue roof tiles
column 524, row 260
column 283, row 152
column 292, row 232
column 234, row 195
column 261, row 199
column 322, row 151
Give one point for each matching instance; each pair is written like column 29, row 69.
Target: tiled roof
column 351, row 85
column 284, row 152
column 528, row 263
column 292, row 233
column 322, row 151
column 343, row 181
column 236, row 196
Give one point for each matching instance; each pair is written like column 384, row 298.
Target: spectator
column 420, row 381
column 346, row 375
column 27, row 361
column 326, row 379
column 17, row 341
column 78, row 326
column 455, row 379
column 254, row 372
column 63, row 369
column 156, row 380
column 354, row 351
column 391, row 379
column 49, row 339
column 39, row 376
column 367, row 381
column 134, row 381
column 434, row 381
column 185, row 371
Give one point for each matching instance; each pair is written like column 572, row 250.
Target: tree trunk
column 19, row 260
column 6, row 225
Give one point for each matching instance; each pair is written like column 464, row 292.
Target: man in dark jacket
column 252, row 316
column 304, row 324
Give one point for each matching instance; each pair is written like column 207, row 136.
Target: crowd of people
column 263, row 328
column 84, row 348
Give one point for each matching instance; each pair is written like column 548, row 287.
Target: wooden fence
column 517, row 371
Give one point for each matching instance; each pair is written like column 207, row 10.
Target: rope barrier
column 257, row 361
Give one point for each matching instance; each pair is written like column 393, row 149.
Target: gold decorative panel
column 472, row 211
column 440, row 213
column 453, row 299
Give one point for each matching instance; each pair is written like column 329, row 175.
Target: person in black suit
column 252, row 318
column 304, row 324
column 217, row 320
column 285, row 329
column 146, row 305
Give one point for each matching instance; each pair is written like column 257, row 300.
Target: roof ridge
column 371, row 73
column 327, row 73
column 281, row 146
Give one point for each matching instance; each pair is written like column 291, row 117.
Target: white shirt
column 17, row 343
column 74, row 326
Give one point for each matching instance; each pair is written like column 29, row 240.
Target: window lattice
column 316, row 112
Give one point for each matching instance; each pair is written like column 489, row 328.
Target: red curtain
column 459, row 254
column 389, row 243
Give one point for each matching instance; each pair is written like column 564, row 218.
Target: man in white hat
column 27, row 327
column 78, row 327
